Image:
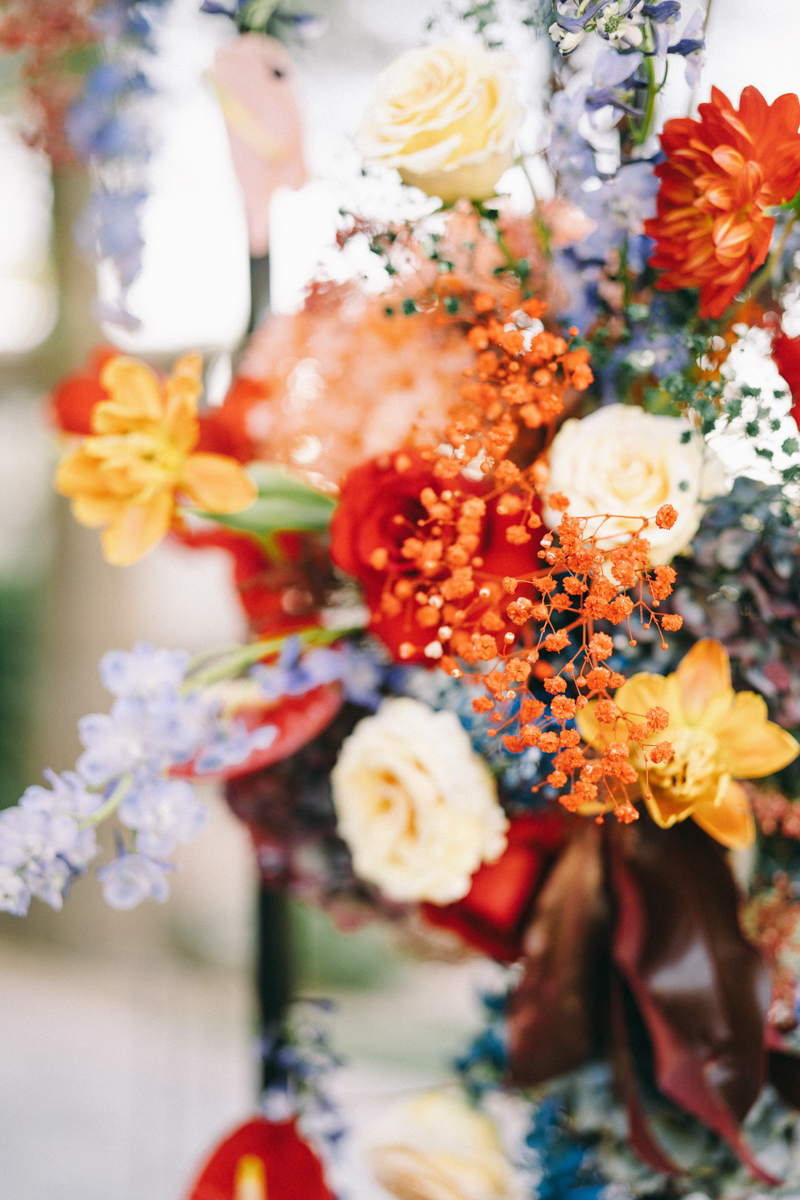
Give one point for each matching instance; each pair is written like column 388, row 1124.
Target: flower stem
column 763, row 276
column 233, row 663
column 640, row 130
column 111, row 805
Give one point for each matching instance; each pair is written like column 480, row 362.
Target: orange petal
column 79, row 472
column 135, row 393
column 665, row 811
column 217, row 484
column 703, row 673
column 139, row 528
column 96, row 511
column 750, row 745
column 184, row 388
column 728, row 819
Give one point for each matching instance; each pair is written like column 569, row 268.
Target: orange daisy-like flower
column 721, row 175
column 126, row 475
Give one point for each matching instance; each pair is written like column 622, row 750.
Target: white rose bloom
column 438, row 1147
column 445, row 117
column 416, row 805
column 628, row 462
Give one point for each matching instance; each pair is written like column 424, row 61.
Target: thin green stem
column 640, row 130
column 111, row 805
column 762, row 278
column 541, row 227
column 232, row 664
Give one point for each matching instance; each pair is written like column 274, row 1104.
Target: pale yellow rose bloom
column 415, row 804
column 126, row 475
column 438, row 1147
column 445, row 117
column 627, row 462
column 719, row 736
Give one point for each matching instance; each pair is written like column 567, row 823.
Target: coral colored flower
column 718, row 736
column 721, row 175
column 126, row 475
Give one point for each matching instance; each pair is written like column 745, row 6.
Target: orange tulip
column 718, row 736
column 128, row 475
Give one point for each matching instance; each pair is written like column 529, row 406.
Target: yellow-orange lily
column 127, row 474
column 718, row 736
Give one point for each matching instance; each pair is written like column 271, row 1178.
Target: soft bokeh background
column 127, row 1040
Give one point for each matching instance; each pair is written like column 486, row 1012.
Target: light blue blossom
column 132, row 878
column 15, row 895
column 67, row 794
column 140, row 735
column 233, row 746
column 144, row 671
column 164, row 813
column 46, row 850
column 297, row 672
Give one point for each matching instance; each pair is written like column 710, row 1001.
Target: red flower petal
column 290, row 1168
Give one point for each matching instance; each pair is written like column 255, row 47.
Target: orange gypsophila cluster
column 721, row 175
column 456, row 571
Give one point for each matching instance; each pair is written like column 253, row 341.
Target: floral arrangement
column 518, row 543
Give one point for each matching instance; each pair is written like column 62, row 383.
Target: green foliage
column 20, row 617
column 284, row 503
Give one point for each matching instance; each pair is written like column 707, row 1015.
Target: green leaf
column 284, row 503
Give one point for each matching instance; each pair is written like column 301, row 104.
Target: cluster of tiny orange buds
column 519, row 378
column 566, row 598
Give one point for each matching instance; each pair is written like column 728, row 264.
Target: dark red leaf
column 557, row 1011
column 700, row 986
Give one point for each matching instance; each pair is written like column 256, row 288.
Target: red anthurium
column 492, row 915
column 262, row 1160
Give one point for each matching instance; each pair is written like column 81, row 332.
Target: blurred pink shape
column 253, row 76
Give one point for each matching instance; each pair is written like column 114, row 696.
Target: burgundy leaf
column 702, row 989
column 556, row 1013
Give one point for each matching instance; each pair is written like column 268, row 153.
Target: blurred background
column 128, row 1040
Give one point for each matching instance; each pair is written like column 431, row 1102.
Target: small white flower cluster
column 619, row 22
column 155, row 725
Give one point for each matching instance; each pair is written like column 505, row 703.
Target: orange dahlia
column 721, row 176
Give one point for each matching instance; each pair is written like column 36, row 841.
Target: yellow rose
column 445, row 117
column 438, row 1147
column 627, row 462
column 416, row 805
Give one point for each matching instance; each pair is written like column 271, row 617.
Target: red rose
column 492, row 916
column 379, row 510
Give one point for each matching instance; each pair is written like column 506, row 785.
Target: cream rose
column 445, row 117
column 416, row 805
column 628, row 462
column 438, row 1147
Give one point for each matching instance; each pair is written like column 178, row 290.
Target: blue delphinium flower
column 132, row 878
column 164, row 813
column 298, row 671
